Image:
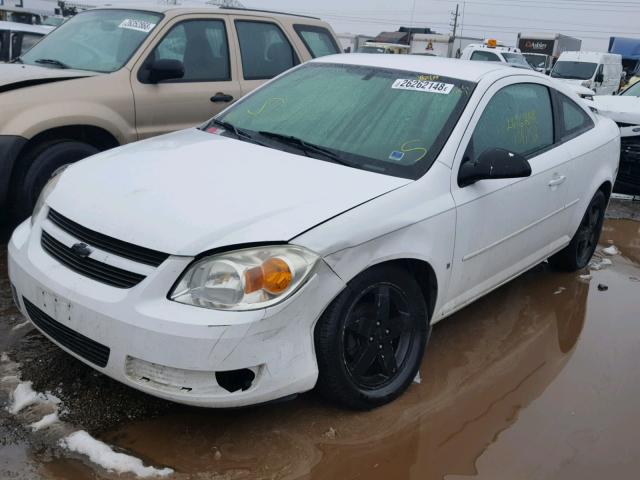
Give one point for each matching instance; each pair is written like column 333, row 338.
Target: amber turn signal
column 274, row 276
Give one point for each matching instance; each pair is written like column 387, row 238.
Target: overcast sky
column 594, row 21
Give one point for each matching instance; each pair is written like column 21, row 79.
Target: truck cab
column 491, row 51
column 600, row 72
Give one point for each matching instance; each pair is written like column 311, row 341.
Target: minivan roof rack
column 268, row 11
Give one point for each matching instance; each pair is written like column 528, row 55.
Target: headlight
column 245, row 279
column 46, row 191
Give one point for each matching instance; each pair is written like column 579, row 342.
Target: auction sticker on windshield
column 139, row 25
column 422, row 86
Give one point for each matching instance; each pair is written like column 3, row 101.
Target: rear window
column 318, row 40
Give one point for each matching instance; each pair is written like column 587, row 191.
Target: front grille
column 108, row 244
column 82, row 346
column 116, row 277
column 628, row 181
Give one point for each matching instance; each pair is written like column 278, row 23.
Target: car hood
column 622, row 109
column 17, row 75
column 192, row 191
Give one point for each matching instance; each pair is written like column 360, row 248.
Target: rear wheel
column 39, row 164
column 578, row 253
column 371, row 339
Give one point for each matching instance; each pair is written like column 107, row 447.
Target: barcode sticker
column 423, row 86
column 139, row 25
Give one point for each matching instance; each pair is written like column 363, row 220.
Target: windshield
column 370, row 50
column 516, row 60
column 375, row 119
column 574, row 70
column 633, row 90
column 535, row 60
column 96, row 40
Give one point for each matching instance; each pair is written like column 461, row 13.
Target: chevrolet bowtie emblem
column 81, row 250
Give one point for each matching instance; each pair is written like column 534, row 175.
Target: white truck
column 492, row 51
column 600, row 72
column 542, row 50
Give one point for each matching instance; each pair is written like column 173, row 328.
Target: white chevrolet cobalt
column 312, row 233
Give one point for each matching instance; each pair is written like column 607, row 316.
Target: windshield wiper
column 306, row 146
column 52, row 61
column 238, row 132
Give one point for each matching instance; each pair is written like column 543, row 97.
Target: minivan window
column 518, row 118
column 264, row 49
column 28, row 41
column 318, row 40
column 202, row 47
column 574, row 70
column 485, row 56
column 375, row 119
column 95, row 40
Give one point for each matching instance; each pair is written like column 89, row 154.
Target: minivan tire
column 578, row 253
column 354, row 330
column 39, row 164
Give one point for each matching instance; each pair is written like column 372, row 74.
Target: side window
column 574, row 119
column 318, row 40
column 265, row 50
column 485, row 56
column 28, row 41
column 202, row 46
column 518, row 118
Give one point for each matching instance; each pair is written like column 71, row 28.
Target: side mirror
column 599, row 78
column 493, row 164
column 165, row 69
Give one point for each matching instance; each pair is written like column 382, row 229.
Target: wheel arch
column 98, row 137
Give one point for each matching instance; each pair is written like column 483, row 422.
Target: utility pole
column 454, row 18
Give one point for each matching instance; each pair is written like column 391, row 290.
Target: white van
column 601, row 72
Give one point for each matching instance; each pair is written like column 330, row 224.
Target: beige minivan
column 111, row 76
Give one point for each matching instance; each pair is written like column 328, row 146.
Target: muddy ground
column 538, row 380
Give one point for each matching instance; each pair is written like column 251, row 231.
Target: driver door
column 505, row 226
column 210, row 82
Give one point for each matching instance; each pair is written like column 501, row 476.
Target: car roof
column 468, row 70
column 24, row 27
column 192, row 6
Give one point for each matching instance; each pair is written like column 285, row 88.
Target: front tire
column 578, row 253
column 370, row 341
column 39, row 164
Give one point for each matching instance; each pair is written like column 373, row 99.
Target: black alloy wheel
column 371, row 339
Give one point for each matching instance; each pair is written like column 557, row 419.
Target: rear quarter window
column 318, row 40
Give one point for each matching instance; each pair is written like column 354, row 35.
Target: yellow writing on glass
column 407, row 148
column 269, row 103
column 428, row 78
column 524, row 127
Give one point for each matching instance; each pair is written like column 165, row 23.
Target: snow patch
column 24, row 395
column 45, row 422
column 102, row 454
column 559, row 290
column 611, row 251
column 418, row 378
column 20, row 325
column 4, row 358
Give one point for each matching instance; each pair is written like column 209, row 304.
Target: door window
column 318, row 40
column 574, row 119
column 485, row 56
column 265, row 50
column 28, row 41
column 202, row 47
column 518, row 118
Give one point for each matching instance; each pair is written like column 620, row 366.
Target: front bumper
column 167, row 349
column 10, row 147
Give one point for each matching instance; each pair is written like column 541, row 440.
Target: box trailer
column 542, row 50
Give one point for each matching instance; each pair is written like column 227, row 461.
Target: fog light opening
column 235, row 380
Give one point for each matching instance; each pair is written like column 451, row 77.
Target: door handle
column 222, row 98
column 555, row 181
